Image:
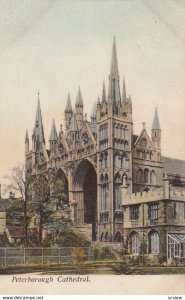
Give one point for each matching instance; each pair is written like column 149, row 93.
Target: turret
column 79, row 107
column 68, row 113
column 156, row 131
column 53, row 140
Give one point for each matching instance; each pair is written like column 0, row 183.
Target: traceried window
column 140, row 175
column 153, row 178
column 117, row 191
column 153, row 242
column 153, row 211
column 146, row 175
column 104, row 192
column 134, row 212
column 134, row 243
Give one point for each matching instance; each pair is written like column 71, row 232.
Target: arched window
column 140, row 175
column 106, row 237
column 134, row 242
column 117, row 161
column 104, row 192
column 153, row 242
column 153, row 178
column 147, row 155
column 146, row 177
column 102, row 237
column 126, row 133
column 118, row 237
column 117, row 191
column 124, row 161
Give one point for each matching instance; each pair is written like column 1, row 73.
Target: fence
column 14, row 256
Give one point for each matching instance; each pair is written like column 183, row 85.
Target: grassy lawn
column 99, row 268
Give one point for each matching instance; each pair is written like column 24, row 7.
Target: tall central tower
column 114, row 156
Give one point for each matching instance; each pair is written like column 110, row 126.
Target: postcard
column 92, row 177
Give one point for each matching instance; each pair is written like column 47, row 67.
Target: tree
column 49, row 196
column 23, row 187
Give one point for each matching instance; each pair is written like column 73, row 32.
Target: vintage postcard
column 92, row 155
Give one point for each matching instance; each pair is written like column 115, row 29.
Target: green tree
column 23, row 187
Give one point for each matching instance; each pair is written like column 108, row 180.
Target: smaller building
column 16, row 234
column 154, row 222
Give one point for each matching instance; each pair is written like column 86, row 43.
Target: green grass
column 98, row 267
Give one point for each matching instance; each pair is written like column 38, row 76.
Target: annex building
column 118, row 185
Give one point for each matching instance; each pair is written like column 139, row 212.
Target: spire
column 124, row 95
column 114, row 88
column 79, row 100
column 156, row 125
column 73, row 125
column 39, row 131
column 103, row 93
column 27, row 137
column 53, row 134
column 68, row 104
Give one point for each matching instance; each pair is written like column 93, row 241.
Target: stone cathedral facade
column 117, row 183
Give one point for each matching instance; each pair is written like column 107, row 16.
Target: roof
column 135, row 137
column 18, row 232
column 173, row 166
column 93, row 127
column 179, row 237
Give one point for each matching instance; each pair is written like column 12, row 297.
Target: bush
column 103, row 253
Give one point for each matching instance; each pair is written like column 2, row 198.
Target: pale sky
column 54, row 46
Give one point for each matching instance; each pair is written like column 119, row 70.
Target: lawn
column 99, row 268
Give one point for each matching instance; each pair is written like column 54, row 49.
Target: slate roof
column 173, row 166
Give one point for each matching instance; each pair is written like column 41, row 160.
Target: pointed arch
column 118, row 237
column 153, row 242
column 63, row 191
column 134, row 242
column 85, row 189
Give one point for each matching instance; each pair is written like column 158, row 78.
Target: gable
column 143, row 141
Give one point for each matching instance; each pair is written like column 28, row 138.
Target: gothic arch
column 61, row 176
column 118, row 237
column 134, row 242
column 85, row 190
column 153, row 242
column 81, row 172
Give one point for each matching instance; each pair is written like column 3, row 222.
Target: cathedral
column 119, row 187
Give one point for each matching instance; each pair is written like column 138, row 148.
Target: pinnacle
column 53, row 135
column 79, row 100
column 68, row 104
column 156, row 125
